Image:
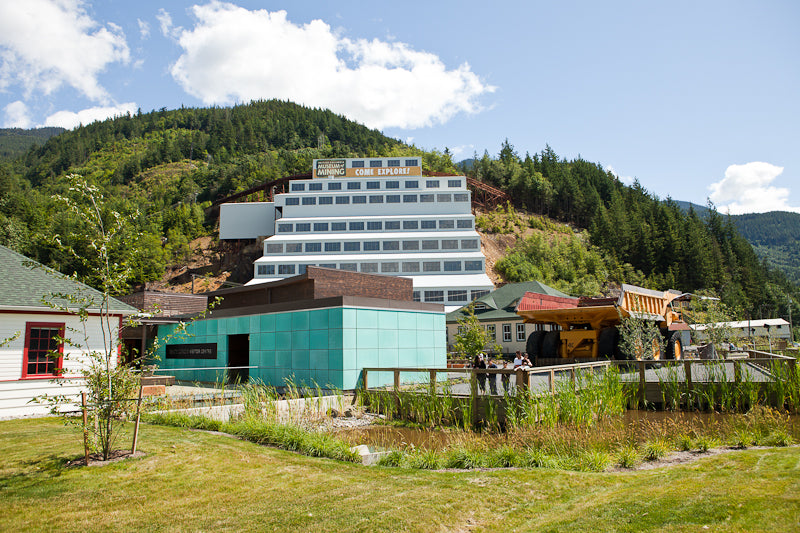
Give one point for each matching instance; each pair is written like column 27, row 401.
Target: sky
column 696, row 100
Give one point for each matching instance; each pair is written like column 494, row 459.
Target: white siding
column 15, row 392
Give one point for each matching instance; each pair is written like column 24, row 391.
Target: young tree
column 471, row 338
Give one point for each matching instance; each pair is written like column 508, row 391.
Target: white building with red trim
column 31, row 330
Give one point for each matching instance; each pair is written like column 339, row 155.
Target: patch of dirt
column 96, row 459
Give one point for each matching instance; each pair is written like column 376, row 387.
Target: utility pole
column 791, row 331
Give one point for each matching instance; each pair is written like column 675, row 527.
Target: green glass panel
column 319, row 339
column 300, row 340
column 299, row 320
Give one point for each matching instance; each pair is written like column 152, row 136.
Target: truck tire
column 674, row 346
column 550, row 345
column 608, row 343
column 534, row 345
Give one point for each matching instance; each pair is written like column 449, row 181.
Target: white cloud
column 627, row 180
column 70, row 119
column 144, row 29
column 233, row 54
column 17, row 115
column 746, row 189
column 465, row 151
column 45, row 44
column 165, row 23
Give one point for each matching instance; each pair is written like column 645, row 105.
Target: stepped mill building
column 369, row 215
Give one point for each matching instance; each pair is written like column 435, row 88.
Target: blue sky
column 694, row 99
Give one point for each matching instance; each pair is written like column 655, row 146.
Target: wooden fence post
column 642, row 385
column 364, row 377
column 433, row 381
column 138, row 418
column 396, row 379
column 552, row 382
column 687, row 369
column 473, row 396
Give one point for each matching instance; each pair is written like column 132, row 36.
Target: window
column 372, row 246
column 410, row 224
column 411, row 266
column 434, row 296
column 286, row 270
column 391, row 245
column 443, row 197
column 389, row 267
column 301, row 269
column 274, row 248
column 298, row 187
column 449, row 244
column 392, row 224
column 412, row 162
column 469, row 244
column 338, row 226
column 314, row 186
column 373, row 185
column 369, row 267
column 293, row 247
column 309, row 200
column 460, row 197
column 446, row 224
column 410, row 245
column 350, row 267
column 432, row 184
column 375, row 164
column 393, row 163
column 392, row 184
column 457, row 295
column 356, row 226
column 430, row 245
column 415, row 296
column 328, row 265
column 376, row 199
column 313, row 247
column 333, row 247
column 41, row 340
column 358, row 164
column 454, row 183
column 426, row 198
column 320, row 226
column 412, row 184
column 428, row 224
column 464, row 223
column 352, row 246
column 490, row 329
column 359, row 199
column 342, row 200
column 520, row 332
column 452, row 266
column 266, row 270
column 353, row 185
column 285, row 228
column 475, row 266
column 478, row 293
column 410, row 198
column 506, row 332
column 375, row 226
column 306, row 226
column 431, row 266
column 293, row 200
column 392, row 198
column 326, row 200
column 335, row 186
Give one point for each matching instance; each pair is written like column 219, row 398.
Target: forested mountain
column 775, row 237
column 15, row 141
column 163, row 168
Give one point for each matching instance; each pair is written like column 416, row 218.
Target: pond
column 634, row 426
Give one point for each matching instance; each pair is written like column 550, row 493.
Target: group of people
column 482, row 362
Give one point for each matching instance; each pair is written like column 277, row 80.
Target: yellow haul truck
column 590, row 330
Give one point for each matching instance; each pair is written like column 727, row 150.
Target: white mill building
column 373, row 215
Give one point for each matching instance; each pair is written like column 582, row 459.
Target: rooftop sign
column 367, row 167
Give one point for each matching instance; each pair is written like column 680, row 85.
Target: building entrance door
column 238, row 356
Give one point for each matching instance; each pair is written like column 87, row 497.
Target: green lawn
column 197, row 481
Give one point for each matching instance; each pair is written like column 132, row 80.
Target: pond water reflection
column 634, row 425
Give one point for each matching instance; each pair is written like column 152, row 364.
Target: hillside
column 15, row 141
column 581, row 229
column 775, row 236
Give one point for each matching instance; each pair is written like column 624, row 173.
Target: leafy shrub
column 628, row 456
column 655, row 449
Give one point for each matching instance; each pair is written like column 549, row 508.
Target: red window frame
column 40, row 349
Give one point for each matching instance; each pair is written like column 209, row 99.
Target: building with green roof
column 32, row 319
column 497, row 313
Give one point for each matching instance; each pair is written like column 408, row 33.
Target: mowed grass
column 200, row 481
